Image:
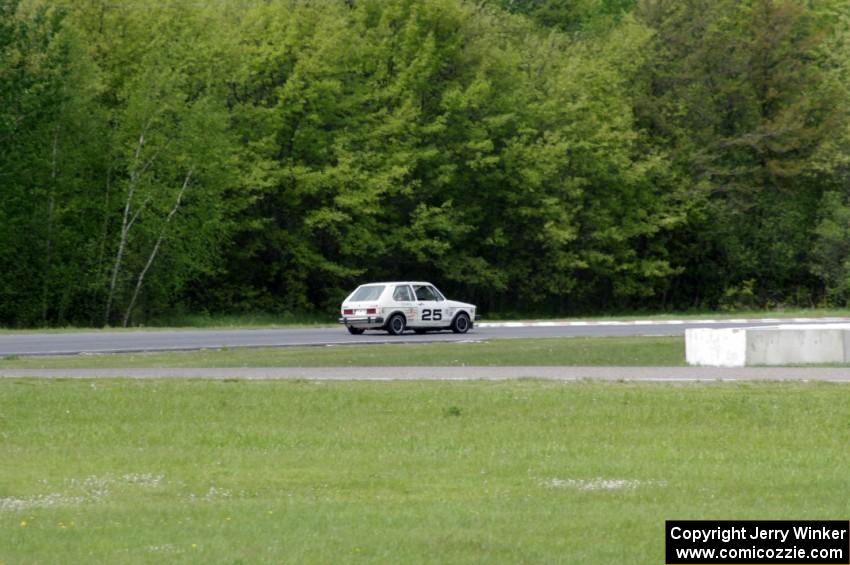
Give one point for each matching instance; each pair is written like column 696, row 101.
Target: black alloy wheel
column 460, row 325
column 396, row 324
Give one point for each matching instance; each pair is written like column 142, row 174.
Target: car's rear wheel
column 396, row 324
column 355, row 331
column 461, row 324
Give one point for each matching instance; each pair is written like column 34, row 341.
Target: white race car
column 396, row 306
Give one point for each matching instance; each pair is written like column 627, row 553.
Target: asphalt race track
column 70, row 343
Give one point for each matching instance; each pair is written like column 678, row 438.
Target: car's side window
column 436, row 293
column 402, row 294
column 425, row 293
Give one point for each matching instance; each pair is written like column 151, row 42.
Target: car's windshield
column 369, row 292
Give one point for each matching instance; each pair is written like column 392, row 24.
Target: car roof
column 396, row 283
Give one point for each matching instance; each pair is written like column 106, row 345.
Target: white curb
column 577, row 323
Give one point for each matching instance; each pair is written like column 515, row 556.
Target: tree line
column 561, row 156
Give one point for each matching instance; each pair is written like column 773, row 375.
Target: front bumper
column 359, row 321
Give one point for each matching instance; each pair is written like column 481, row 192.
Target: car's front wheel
column 355, row 331
column 396, row 324
column 461, row 324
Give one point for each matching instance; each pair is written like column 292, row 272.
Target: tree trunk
column 126, row 223
column 155, row 250
column 104, row 232
column 51, row 204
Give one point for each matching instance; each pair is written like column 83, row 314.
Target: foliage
column 741, row 97
column 49, row 146
column 557, row 155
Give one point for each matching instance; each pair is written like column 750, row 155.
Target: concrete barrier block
column 846, row 347
column 716, row 347
column 780, row 346
column 775, row 345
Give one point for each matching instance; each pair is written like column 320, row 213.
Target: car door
column 431, row 306
column 404, row 300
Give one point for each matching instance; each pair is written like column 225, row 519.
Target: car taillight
column 348, row 311
column 371, row 310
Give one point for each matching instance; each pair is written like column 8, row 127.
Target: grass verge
column 201, row 322
column 403, row 472
column 579, row 351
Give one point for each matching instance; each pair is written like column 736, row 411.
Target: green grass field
column 614, row 351
column 114, row 471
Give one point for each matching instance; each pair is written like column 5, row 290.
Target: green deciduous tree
column 550, row 155
column 49, row 145
column 427, row 139
column 173, row 158
column 739, row 97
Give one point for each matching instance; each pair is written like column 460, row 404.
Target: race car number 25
column 432, row 315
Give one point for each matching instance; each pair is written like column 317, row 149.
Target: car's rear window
column 369, row 292
column 402, row 294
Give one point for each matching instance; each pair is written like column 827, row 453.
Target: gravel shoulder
column 648, row 374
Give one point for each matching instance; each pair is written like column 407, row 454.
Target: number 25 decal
column 427, row 315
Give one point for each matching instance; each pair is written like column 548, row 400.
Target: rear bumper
column 360, row 321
